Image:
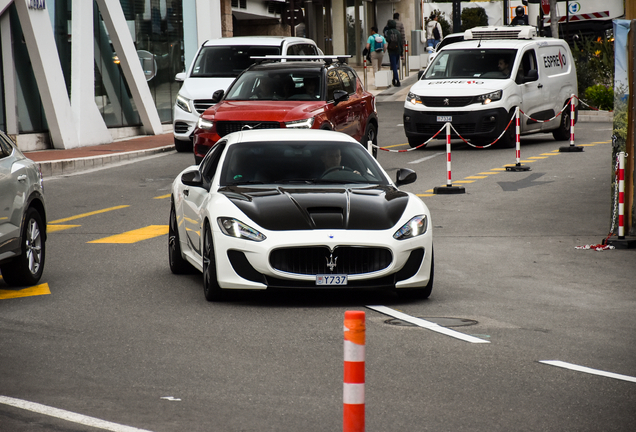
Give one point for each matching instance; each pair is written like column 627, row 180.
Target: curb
column 70, row 166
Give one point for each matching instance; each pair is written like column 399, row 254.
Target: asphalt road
column 121, row 340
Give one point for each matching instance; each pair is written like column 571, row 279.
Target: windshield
column 277, row 85
column 472, row 63
column 228, row 61
column 303, row 163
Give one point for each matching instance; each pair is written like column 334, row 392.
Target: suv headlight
column 205, row 124
column 300, row 124
column 183, row 103
column 490, row 97
column 413, row 228
column 235, row 228
column 413, row 98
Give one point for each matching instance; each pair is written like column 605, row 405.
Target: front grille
column 180, row 127
column 226, row 127
column 459, row 101
column 201, row 105
column 432, row 129
column 314, row 260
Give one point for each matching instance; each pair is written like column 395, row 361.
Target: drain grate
column 442, row 321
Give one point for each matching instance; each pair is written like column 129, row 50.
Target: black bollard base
column 518, row 167
column 622, row 243
column 570, row 149
column 448, row 190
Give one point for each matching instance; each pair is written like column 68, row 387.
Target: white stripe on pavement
column 426, row 324
column 426, row 158
column 67, row 415
column 578, row 368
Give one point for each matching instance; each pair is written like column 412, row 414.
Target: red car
column 298, row 94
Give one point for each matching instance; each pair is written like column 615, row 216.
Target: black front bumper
column 469, row 124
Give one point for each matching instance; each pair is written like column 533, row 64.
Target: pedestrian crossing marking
column 41, row 289
column 56, row 228
column 70, row 218
column 135, row 236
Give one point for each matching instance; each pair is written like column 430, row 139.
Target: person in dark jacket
column 520, row 17
column 394, row 47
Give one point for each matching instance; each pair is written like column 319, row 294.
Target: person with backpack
column 434, row 33
column 394, row 46
column 376, row 44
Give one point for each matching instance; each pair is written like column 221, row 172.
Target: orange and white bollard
column 353, row 387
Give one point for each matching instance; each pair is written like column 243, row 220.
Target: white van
column 215, row 66
column 476, row 85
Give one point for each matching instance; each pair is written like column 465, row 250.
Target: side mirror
column 181, row 76
column 217, row 96
column 339, row 96
column 192, row 178
column 405, row 176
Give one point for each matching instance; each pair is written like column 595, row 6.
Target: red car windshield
column 279, row 85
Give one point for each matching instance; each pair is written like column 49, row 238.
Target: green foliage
column 620, row 118
column 474, row 17
column 594, row 59
column 600, row 97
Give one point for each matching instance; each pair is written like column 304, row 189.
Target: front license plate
column 444, row 119
column 331, row 279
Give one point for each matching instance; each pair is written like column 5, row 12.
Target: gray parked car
column 22, row 217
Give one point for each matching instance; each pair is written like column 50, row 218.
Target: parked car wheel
column 177, row 264
column 27, row 268
column 371, row 134
column 563, row 132
column 211, row 288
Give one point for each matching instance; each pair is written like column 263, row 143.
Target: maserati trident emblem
column 331, row 262
column 446, row 101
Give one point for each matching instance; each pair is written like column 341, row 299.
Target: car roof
column 296, row 65
column 500, row 43
column 257, row 41
column 284, row 135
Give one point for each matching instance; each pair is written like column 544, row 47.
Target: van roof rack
column 328, row 59
column 500, row 32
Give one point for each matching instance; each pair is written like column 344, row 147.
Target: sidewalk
column 55, row 162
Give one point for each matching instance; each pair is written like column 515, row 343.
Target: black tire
column 425, row 291
column 211, row 288
column 27, row 269
column 183, row 146
column 178, row 265
column 563, row 132
column 509, row 139
column 371, row 134
column 415, row 142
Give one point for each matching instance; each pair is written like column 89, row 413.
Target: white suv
column 215, row 66
column 22, row 217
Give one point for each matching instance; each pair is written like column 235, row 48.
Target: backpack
column 394, row 40
column 436, row 34
column 379, row 43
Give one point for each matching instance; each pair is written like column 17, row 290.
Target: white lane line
column 426, row 158
column 588, row 370
column 67, row 415
column 426, row 324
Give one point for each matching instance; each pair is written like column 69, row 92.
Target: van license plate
column 444, row 119
column 331, row 279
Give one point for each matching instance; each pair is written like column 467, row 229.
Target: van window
column 471, row 63
column 228, row 61
column 302, row 49
column 528, row 63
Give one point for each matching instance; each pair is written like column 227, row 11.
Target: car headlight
column 235, row 228
column 300, row 124
column 413, row 98
column 490, row 97
column 205, row 124
column 183, row 103
column 413, row 228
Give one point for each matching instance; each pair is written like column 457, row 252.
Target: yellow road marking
column 500, row 169
column 549, row 154
column 425, row 195
column 537, row 157
column 395, row 145
column 476, row 177
column 464, row 181
column 162, row 196
column 587, row 145
column 135, row 236
column 88, row 214
column 528, row 161
column 488, row 173
column 41, row 289
column 56, row 228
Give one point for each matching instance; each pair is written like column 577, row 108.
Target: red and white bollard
column 572, row 114
column 621, row 195
column 518, row 166
column 449, row 188
column 353, row 387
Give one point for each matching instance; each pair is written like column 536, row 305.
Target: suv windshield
column 472, row 63
column 277, row 85
column 299, row 163
column 228, row 61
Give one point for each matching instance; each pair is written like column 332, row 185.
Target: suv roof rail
column 500, row 32
column 326, row 58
